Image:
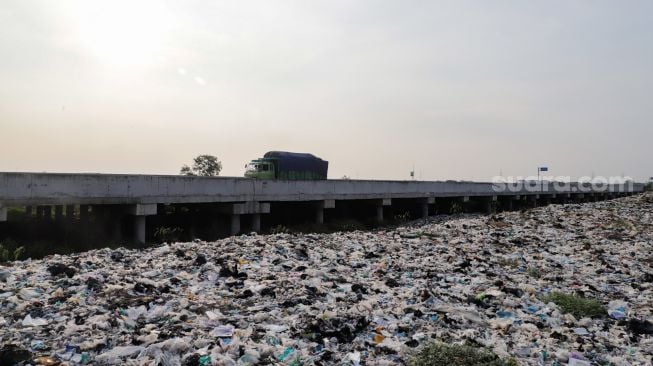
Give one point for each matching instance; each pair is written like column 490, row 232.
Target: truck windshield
column 257, row 167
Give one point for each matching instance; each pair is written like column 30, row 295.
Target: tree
column 186, row 170
column 203, row 165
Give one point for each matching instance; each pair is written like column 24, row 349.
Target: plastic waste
column 29, row 293
column 581, row 331
column 504, row 314
column 4, row 275
column 354, row 358
column 354, row 297
column 136, row 312
column 577, row 362
column 286, row 354
column 248, row 360
column 33, row 322
column 617, row 309
column 38, row 345
column 204, row 360
column 116, row 354
column 223, row 331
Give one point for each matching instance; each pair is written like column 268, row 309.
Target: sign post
column 541, row 169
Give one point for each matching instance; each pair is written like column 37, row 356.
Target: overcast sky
column 458, row 89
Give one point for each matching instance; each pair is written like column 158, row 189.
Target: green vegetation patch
column 11, row 251
column 509, row 262
column 533, row 272
column 576, row 305
column 442, row 354
column 622, row 223
column 168, row 234
column 330, row 227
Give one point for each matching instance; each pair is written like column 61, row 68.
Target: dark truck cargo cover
column 288, row 162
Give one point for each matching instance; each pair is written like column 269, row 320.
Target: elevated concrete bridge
column 71, row 195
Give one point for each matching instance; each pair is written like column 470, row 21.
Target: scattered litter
column 557, row 285
column 617, row 309
column 223, row 331
column 577, row 362
column 581, row 331
column 33, row 322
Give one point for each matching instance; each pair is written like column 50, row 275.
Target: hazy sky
column 459, row 89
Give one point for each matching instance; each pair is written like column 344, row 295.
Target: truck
column 287, row 166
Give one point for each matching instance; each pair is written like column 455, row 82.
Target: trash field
column 557, row 285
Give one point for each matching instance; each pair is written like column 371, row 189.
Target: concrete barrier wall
column 61, row 188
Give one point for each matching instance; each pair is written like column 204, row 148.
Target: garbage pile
column 354, row 298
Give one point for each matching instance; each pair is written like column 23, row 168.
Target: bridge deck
column 55, row 188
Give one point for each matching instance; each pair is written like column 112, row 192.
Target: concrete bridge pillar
column 83, row 213
column 58, row 213
column 488, row 203
column 319, row 209
column 424, row 206
column 47, row 213
column 235, row 224
column 192, row 224
column 140, row 228
column 256, row 222
column 110, row 217
column 533, row 200
column 424, row 210
column 514, row 201
column 319, row 212
column 234, row 210
column 563, row 198
column 508, row 202
column 379, row 208
column 140, row 212
column 319, row 216
column 379, row 213
column 465, row 203
column 70, row 212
